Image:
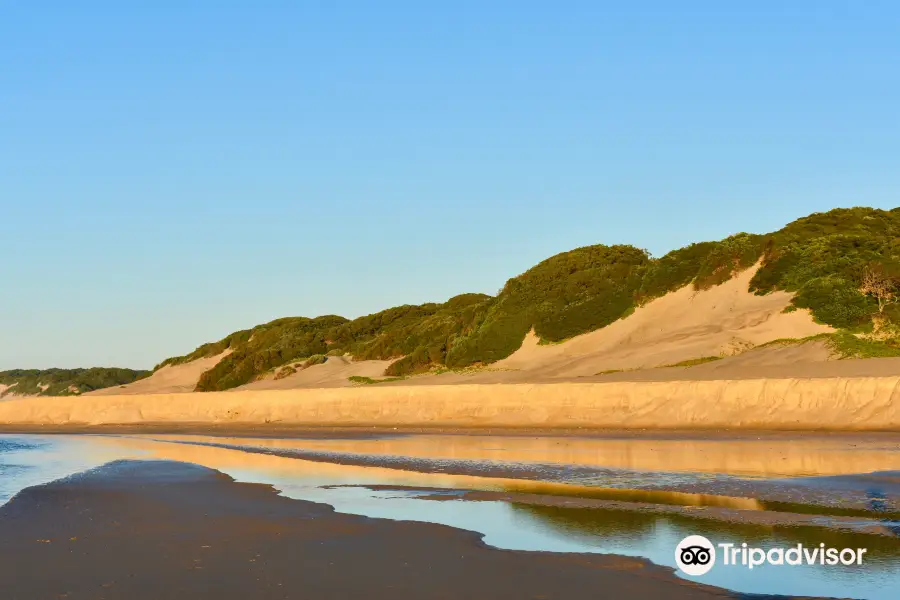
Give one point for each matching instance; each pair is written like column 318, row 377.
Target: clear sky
column 174, row 171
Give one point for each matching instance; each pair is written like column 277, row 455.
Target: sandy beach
column 179, row 531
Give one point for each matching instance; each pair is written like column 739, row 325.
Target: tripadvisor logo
column 696, row 555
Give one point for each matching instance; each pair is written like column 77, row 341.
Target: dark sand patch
column 151, row 530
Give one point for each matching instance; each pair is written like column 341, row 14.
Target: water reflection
column 768, row 457
column 694, row 488
column 655, row 537
column 302, row 469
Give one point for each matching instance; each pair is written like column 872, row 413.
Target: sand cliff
column 864, row 403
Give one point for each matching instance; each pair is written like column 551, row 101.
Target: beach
column 163, row 529
column 348, row 513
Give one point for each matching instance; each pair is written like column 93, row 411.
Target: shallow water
column 302, row 468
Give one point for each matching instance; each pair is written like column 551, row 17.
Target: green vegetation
column 843, row 265
column 369, row 381
column 563, row 296
column 263, row 348
column 212, row 349
column 285, row 371
column 848, row 345
column 315, row 359
column 65, row 382
column 796, row 341
column 693, row 362
column 823, row 258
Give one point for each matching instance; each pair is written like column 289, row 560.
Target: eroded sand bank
column 864, row 403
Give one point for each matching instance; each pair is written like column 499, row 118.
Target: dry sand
column 334, row 372
column 168, row 380
column 837, row 403
column 682, row 325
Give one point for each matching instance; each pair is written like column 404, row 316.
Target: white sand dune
column 686, row 324
column 171, row 379
column 682, row 325
column 334, row 372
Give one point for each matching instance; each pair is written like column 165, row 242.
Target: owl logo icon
column 695, row 555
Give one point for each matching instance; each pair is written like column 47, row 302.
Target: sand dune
column 167, row 380
column 686, row 324
column 682, row 325
column 829, row 403
column 334, row 372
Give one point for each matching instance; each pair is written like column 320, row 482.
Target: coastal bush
column 419, row 332
column 284, row 372
column 567, row 294
column 315, row 359
column 211, row 349
column 66, row 382
column 727, row 257
column 359, row 379
column 822, row 259
column 835, row 301
column 672, row 271
column 848, row 345
column 693, row 362
column 268, row 346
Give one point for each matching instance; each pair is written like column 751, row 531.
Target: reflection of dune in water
column 777, row 457
column 287, row 468
column 596, row 526
column 628, row 495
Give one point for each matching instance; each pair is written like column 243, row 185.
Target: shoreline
column 178, row 530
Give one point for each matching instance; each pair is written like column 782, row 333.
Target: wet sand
column 150, row 530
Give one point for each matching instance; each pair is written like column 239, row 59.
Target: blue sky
column 173, row 172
